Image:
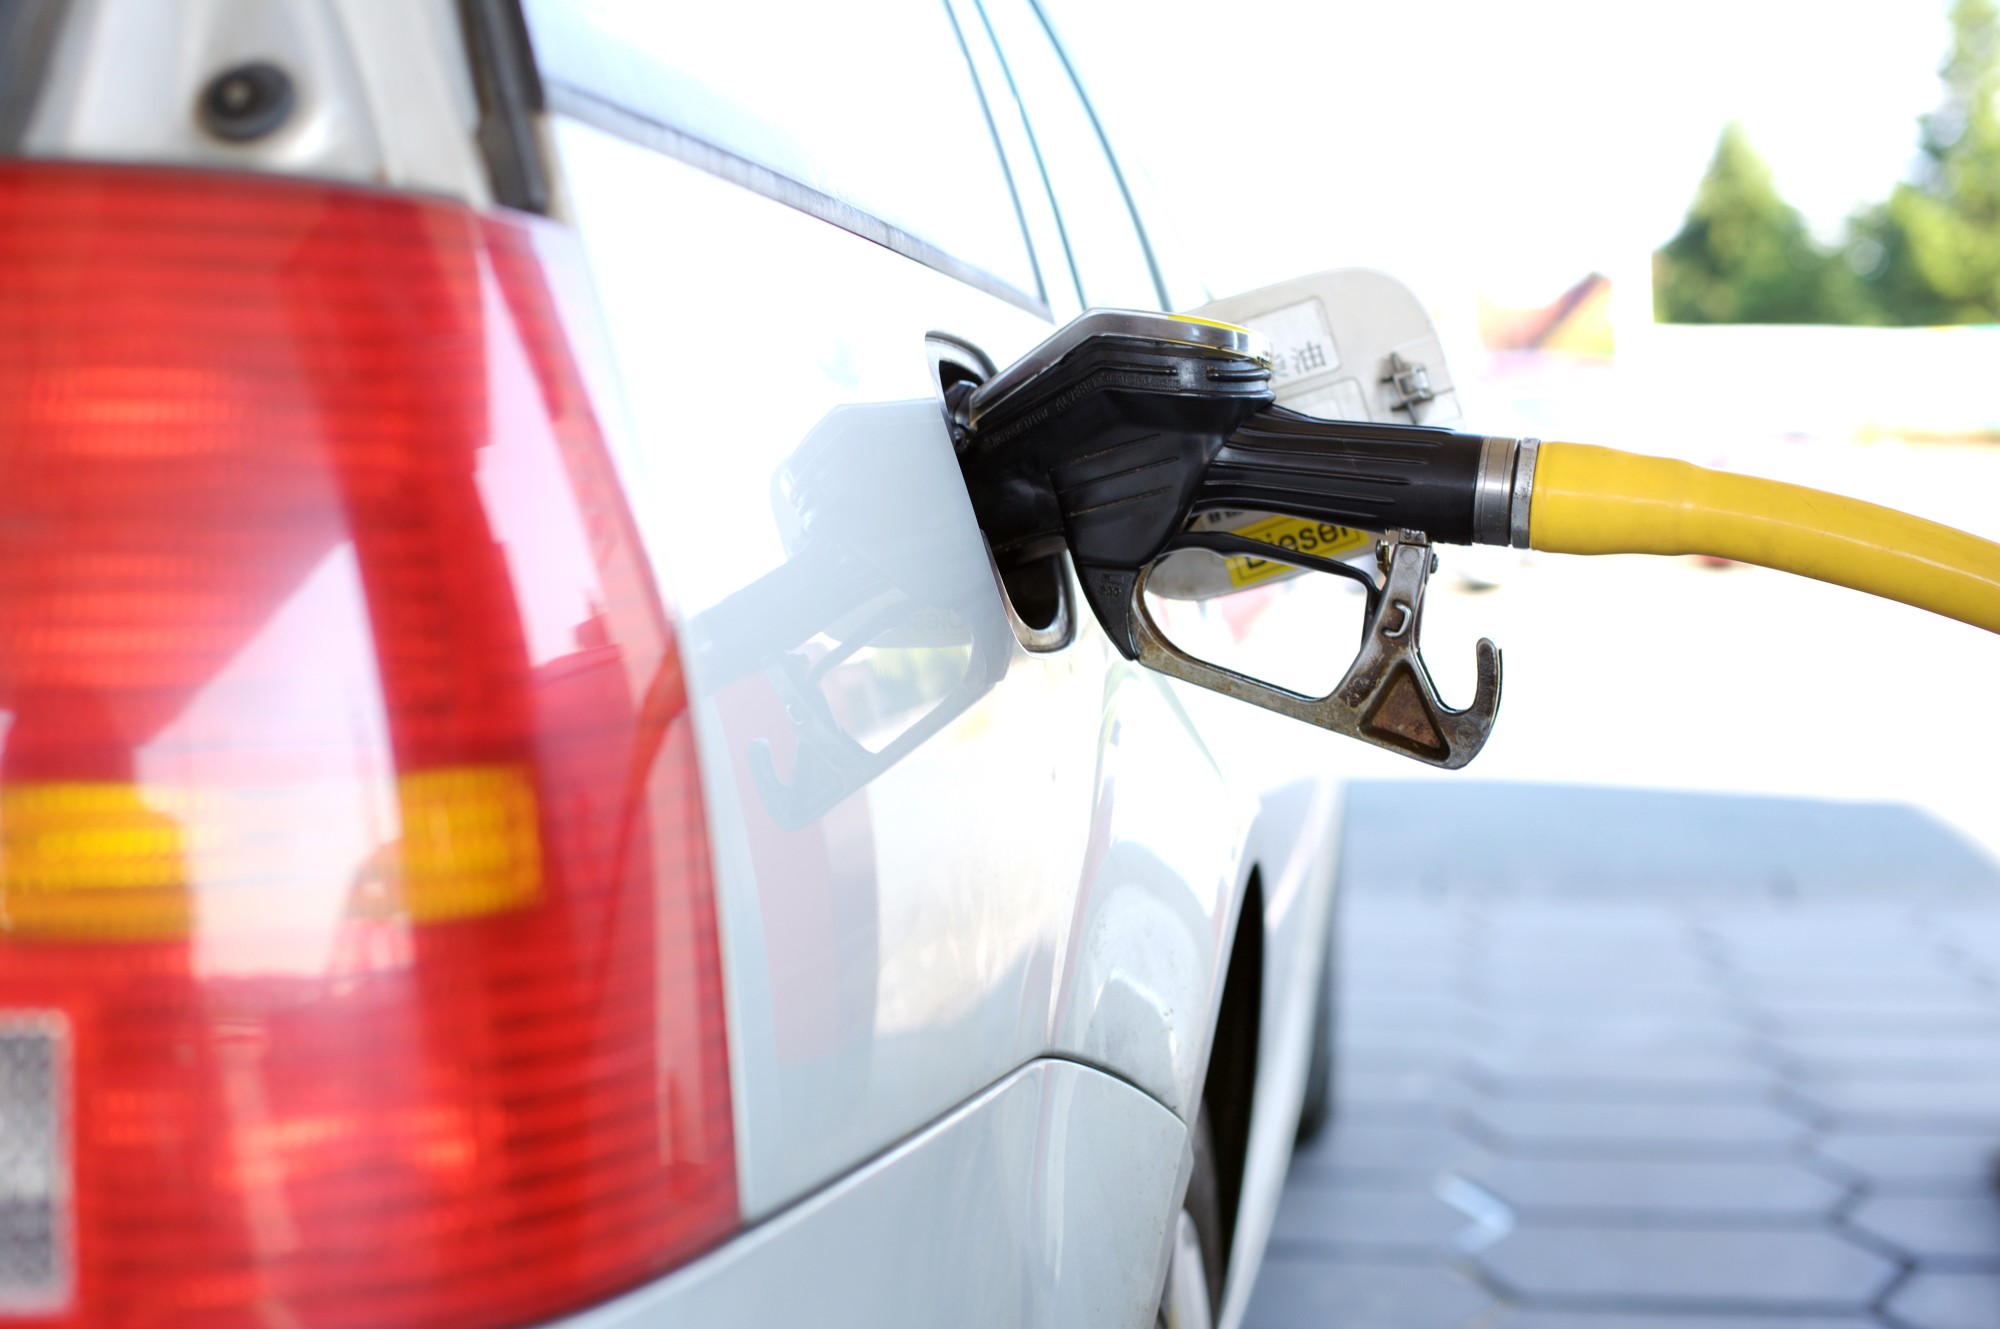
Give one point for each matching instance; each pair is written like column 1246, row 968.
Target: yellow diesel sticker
column 1321, row 539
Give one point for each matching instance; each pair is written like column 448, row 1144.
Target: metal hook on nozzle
column 1386, row 697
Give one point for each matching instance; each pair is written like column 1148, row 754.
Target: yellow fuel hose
column 1591, row 500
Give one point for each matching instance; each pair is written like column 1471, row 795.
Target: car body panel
column 384, row 95
column 1054, row 868
column 1061, row 1174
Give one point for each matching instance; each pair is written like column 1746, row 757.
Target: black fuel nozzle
column 1111, row 435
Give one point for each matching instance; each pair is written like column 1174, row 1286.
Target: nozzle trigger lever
column 1386, row 697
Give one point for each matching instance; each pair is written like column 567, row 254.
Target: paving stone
column 1554, row 1319
column 1645, row 958
column 1380, row 1059
column 1556, row 1033
column 1303, row 1292
column 1526, row 978
column 1972, row 932
column 1656, row 1189
column 1862, row 961
column 1813, row 953
column 1443, row 1115
column 1554, row 924
column 1636, row 1128
column 1805, row 931
column 1947, row 1018
column 1319, row 1213
column 1889, row 1103
column 1376, row 1017
column 1909, row 1160
column 1532, row 920
column 1416, row 1007
column 1401, row 926
column 1956, row 1230
column 1591, row 1003
column 1420, row 1044
column 1647, row 952
column 1800, row 928
column 1648, row 928
column 1645, row 964
column 1398, row 1096
column 1613, row 1060
column 1914, row 1040
column 1403, row 1053
column 1367, row 1148
column 1795, row 1270
column 1801, row 939
column 1983, row 953
column 1623, row 1075
column 1402, row 975
column 1967, row 1057
column 1947, row 1301
column 1641, row 1091
column 1807, row 991
column 1589, row 961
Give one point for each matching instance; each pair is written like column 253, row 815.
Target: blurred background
column 1681, row 1008
column 1744, row 232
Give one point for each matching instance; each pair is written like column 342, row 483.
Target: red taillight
column 356, row 930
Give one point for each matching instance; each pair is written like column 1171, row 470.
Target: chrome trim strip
column 1524, row 491
column 579, row 104
column 1490, row 490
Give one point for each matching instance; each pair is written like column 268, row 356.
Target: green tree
column 1931, row 254
column 1744, row 255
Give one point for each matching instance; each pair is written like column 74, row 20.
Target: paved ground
column 1618, row 1060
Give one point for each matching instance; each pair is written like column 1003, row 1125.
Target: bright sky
column 1505, row 148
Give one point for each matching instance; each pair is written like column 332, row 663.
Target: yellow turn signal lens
column 109, row 860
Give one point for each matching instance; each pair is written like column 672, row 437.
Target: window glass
column 1031, row 186
column 879, row 113
column 1103, row 241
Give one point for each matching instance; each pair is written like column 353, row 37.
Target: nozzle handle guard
column 1387, row 697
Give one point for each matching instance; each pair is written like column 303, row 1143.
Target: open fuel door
column 1347, row 344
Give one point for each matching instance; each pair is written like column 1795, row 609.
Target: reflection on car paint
column 881, row 626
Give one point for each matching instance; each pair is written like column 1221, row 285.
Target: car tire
column 1317, row 1108
column 1193, row 1295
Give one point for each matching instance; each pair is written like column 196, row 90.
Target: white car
column 522, row 794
